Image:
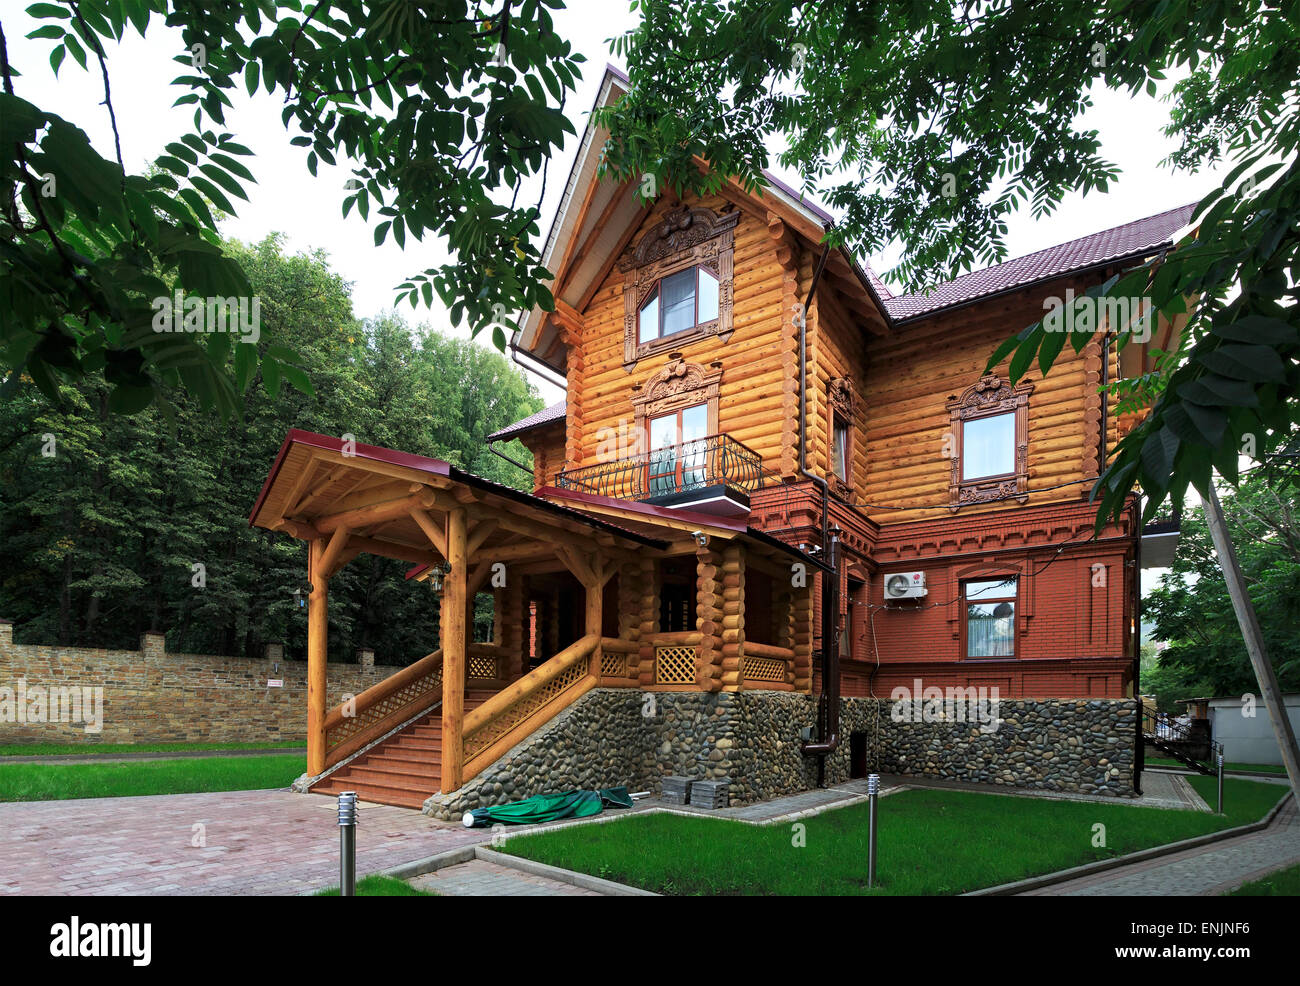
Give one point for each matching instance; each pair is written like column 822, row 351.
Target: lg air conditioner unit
column 905, row 585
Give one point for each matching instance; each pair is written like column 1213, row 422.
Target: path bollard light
column 1220, row 759
column 348, row 844
column 873, row 790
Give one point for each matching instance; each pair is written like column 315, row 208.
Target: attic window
column 679, row 302
column 677, row 282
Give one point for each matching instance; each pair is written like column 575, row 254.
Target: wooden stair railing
column 383, row 706
column 521, row 707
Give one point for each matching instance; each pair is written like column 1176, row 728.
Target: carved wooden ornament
column 686, row 237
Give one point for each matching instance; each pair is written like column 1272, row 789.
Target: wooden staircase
column 402, row 770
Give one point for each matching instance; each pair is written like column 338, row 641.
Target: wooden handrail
column 616, row 646
column 391, row 708
column 579, row 650
column 382, row 689
column 753, row 649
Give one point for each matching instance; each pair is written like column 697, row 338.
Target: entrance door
column 677, row 450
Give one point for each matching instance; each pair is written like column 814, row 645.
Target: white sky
column 308, row 211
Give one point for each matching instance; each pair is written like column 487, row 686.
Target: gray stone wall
column 613, row 737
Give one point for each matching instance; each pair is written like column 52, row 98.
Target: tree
column 929, row 123
column 111, row 525
column 1191, row 608
column 443, row 108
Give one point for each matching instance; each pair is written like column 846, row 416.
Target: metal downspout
column 828, row 703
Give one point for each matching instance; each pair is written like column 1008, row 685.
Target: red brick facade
column 1074, row 605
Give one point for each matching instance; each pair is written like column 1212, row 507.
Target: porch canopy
column 345, row 498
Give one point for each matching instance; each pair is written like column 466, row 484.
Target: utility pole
column 1254, row 639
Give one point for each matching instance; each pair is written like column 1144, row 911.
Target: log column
column 317, row 651
column 510, row 605
column 802, row 640
column 733, row 615
column 649, row 622
column 629, row 610
column 708, row 619
column 455, row 592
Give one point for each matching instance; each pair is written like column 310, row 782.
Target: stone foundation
column 612, row 737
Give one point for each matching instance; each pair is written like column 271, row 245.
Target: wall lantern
column 437, row 574
column 300, row 596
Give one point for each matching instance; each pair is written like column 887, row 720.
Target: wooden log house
column 738, row 397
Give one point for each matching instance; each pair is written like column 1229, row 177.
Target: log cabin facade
column 769, row 474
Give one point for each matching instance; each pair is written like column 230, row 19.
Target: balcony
column 707, row 475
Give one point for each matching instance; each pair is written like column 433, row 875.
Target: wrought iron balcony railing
column 718, row 460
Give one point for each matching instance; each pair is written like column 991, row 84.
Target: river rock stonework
column 621, row 737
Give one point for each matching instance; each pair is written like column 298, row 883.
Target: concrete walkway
column 1206, row 871
column 480, row 878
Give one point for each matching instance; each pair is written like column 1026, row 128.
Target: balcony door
column 677, row 450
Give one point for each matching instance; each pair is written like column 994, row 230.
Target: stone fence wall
column 48, row 694
column 753, row 740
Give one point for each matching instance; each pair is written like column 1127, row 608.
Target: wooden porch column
column 455, row 594
column 317, row 650
column 595, row 593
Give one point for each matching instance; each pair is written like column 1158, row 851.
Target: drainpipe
column 1139, row 751
column 828, row 703
column 492, row 447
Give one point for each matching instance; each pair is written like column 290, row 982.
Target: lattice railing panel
column 524, row 709
column 484, row 668
column 764, row 669
column 675, row 665
column 613, row 665
column 427, row 688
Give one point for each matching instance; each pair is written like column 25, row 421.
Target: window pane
column 990, row 629
column 840, row 452
column 991, row 589
column 649, row 324
column 988, row 446
column 663, row 431
column 678, row 294
column 991, row 625
column 708, row 296
column 695, row 427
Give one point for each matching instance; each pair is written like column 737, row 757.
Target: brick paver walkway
column 258, row 842
column 480, row 878
column 1208, row 871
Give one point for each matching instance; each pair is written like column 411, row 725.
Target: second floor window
column 678, row 302
column 840, row 450
column 988, row 446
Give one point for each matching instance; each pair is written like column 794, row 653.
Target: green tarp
column 548, row 807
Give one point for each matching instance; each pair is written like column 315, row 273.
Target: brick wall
column 150, row 696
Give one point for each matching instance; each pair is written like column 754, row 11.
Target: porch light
column 436, row 575
column 300, row 595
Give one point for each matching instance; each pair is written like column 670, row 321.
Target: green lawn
column 381, row 886
column 1243, row 801
column 1283, row 883
column 65, row 749
column 50, row 782
column 1267, row 768
column 930, row 842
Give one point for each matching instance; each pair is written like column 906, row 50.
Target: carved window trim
column 678, row 385
column 841, row 399
column 686, row 237
column 988, row 397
